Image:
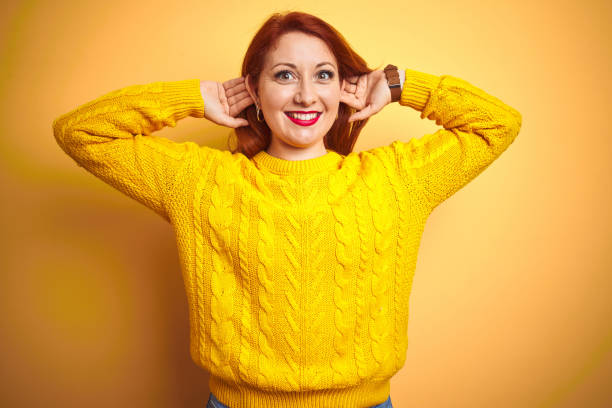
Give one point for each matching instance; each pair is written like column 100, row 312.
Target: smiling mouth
column 304, row 115
column 304, row 119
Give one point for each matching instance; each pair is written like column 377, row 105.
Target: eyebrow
column 293, row 65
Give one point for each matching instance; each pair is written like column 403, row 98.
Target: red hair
column 342, row 135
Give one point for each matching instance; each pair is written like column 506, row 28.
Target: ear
column 250, row 90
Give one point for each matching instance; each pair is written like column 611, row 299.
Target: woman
column 297, row 254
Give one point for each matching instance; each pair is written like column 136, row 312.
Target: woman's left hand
column 368, row 93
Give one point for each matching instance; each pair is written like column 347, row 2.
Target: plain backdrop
column 511, row 304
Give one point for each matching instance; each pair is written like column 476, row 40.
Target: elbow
column 58, row 126
column 502, row 133
column 514, row 122
column 63, row 131
column 509, row 127
column 63, row 135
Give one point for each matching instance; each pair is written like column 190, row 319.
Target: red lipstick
column 302, row 122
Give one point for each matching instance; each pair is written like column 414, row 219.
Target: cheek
column 277, row 98
column 331, row 97
column 330, row 94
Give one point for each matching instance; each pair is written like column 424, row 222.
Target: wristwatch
column 393, row 79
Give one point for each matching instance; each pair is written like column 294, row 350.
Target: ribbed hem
column 328, row 161
column 417, row 88
column 184, row 98
column 243, row 396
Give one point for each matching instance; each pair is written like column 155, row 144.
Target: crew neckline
column 277, row 165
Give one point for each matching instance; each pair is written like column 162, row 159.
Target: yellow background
column 512, row 301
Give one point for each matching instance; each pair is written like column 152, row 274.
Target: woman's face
column 299, row 76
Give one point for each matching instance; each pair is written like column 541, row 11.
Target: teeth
column 302, row 116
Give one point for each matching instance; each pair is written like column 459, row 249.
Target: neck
column 288, row 152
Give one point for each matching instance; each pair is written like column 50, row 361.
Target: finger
column 238, row 97
column 355, row 103
column 362, row 114
column 233, row 82
column 347, row 98
column 350, row 100
column 239, row 122
column 362, row 87
column 238, row 107
column 344, row 84
column 353, row 100
column 240, row 87
column 348, row 87
column 222, row 98
column 233, row 122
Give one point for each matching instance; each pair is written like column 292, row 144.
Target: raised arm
column 477, row 129
column 111, row 138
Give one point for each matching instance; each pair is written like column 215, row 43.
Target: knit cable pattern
column 402, row 272
column 292, row 259
column 222, row 282
column 381, row 276
column 245, row 357
column 198, row 331
column 363, row 218
column 267, row 363
column 342, row 363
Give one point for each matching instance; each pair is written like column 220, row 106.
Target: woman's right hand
column 224, row 101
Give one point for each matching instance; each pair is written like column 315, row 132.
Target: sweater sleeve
column 477, row 129
column 111, row 138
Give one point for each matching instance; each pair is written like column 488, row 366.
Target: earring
column 259, row 120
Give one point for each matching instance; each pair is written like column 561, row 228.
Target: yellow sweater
column 298, row 273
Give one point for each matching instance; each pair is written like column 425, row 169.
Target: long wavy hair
column 342, row 135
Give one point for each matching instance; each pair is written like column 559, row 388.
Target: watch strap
column 393, row 79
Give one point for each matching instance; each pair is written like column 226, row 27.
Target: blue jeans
column 213, row 402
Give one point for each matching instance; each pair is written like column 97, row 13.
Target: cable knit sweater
column 297, row 273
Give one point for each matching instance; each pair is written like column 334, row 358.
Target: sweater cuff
column 417, row 88
column 184, row 98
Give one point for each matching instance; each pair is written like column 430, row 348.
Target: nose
column 305, row 94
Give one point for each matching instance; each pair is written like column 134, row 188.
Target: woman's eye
column 330, row 74
column 282, row 74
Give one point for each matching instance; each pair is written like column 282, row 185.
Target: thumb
column 237, row 122
column 230, row 121
column 362, row 114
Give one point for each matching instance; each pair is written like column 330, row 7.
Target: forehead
column 300, row 49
